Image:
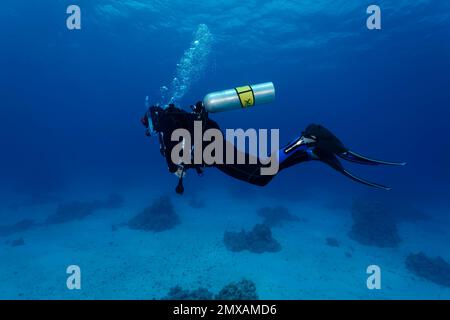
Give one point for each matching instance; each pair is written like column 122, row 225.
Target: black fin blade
column 363, row 181
column 357, row 158
column 334, row 162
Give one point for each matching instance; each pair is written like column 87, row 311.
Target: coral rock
column 373, row 225
column 177, row 293
column 332, row 242
column 158, row 217
column 242, row 290
column 78, row 210
column 17, row 243
column 20, row 226
column 436, row 270
column 275, row 216
column 258, row 240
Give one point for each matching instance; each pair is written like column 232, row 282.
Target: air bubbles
column 191, row 65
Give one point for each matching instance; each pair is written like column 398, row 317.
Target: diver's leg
column 299, row 150
column 315, row 143
column 246, row 172
column 249, row 171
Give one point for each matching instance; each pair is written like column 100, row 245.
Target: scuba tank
column 240, row 97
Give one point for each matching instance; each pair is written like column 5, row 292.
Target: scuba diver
column 316, row 143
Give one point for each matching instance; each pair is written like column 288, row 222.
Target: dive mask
column 151, row 120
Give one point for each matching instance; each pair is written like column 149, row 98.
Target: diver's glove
column 180, row 173
column 199, row 171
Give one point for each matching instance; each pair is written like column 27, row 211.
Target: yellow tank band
column 246, row 96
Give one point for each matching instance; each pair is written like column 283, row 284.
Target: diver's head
column 152, row 120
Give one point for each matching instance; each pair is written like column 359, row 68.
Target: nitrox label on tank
column 246, row 96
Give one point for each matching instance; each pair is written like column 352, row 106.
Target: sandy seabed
column 131, row 264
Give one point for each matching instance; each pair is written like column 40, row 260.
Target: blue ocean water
column 71, row 101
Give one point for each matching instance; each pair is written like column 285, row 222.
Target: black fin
column 334, row 162
column 326, row 140
column 357, row 158
column 363, row 181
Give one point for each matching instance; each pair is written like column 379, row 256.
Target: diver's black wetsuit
column 175, row 118
column 315, row 143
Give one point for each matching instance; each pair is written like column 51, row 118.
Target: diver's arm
column 170, row 165
column 174, row 167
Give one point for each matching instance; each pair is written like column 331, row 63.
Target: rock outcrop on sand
column 436, row 270
column 21, row 226
column 178, row 293
column 276, row 216
column 258, row 240
column 241, row 290
column 332, row 242
column 160, row 216
column 373, row 225
column 78, row 210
